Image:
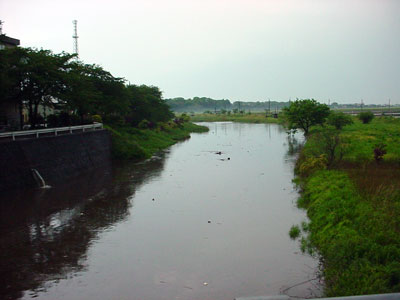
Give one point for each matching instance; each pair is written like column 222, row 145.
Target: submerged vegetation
column 349, row 176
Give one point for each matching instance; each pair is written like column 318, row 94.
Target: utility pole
column 75, row 37
column 1, row 26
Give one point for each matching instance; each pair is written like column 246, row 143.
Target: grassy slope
column 136, row 144
column 362, row 138
column 244, row 118
column 354, row 212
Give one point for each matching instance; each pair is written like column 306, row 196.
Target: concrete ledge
column 56, row 158
column 280, row 297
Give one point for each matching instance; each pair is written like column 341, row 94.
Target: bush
column 339, row 120
column 294, row 232
column 74, row 120
column 144, row 124
column 366, row 117
column 114, row 120
column 312, row 164
column 97, row 119
column 184, row 117
column 379, row 152
column 52, row 121
column 332, row 145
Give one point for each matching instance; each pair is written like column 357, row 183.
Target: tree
column 91, row 90
column 332, row 145
column 32, row 78
column 44, row 81
column 13, row 70
column 146, row 103
column 305, row 113
column 339, row 119
column 366, row 117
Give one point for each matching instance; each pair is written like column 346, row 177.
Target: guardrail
column 36, row 133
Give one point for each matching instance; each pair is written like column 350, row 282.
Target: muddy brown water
column 187, row 224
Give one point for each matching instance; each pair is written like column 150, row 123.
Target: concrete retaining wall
column 57, row 158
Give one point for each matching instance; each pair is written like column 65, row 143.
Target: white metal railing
column 56, row 131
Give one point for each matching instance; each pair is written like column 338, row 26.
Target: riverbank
column 242, row 118
column 136, row 144
column 350, row 184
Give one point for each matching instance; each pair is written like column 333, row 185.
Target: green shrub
column 144, row 124
column 366, row 117
column 184, row 117
column 339, row 119
column 379, row 152
column 294, row 232
column 312, row 164
column 97, row 119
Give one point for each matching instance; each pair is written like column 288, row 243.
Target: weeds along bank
column 140, row 143
column 350, row 182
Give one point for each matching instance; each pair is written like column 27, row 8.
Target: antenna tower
column 75, row 37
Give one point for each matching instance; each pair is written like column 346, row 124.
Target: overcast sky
column 247, row 50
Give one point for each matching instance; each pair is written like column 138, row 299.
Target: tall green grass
column 359, row 245
column 361, row 139
column 354, row 209
column 136, row 144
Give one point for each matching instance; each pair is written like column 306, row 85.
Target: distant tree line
column 202, row 104
column 72, row 91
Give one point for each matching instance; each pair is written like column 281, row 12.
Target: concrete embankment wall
column 57, row 158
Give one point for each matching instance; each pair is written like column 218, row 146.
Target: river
column 189, row 223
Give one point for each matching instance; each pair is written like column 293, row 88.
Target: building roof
column 6, row 40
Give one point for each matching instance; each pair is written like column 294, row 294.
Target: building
column 7, row 42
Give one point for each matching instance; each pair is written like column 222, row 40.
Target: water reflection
column 102, row 236
column 45, row 234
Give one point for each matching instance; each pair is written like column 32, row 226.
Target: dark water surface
column 216, row 229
